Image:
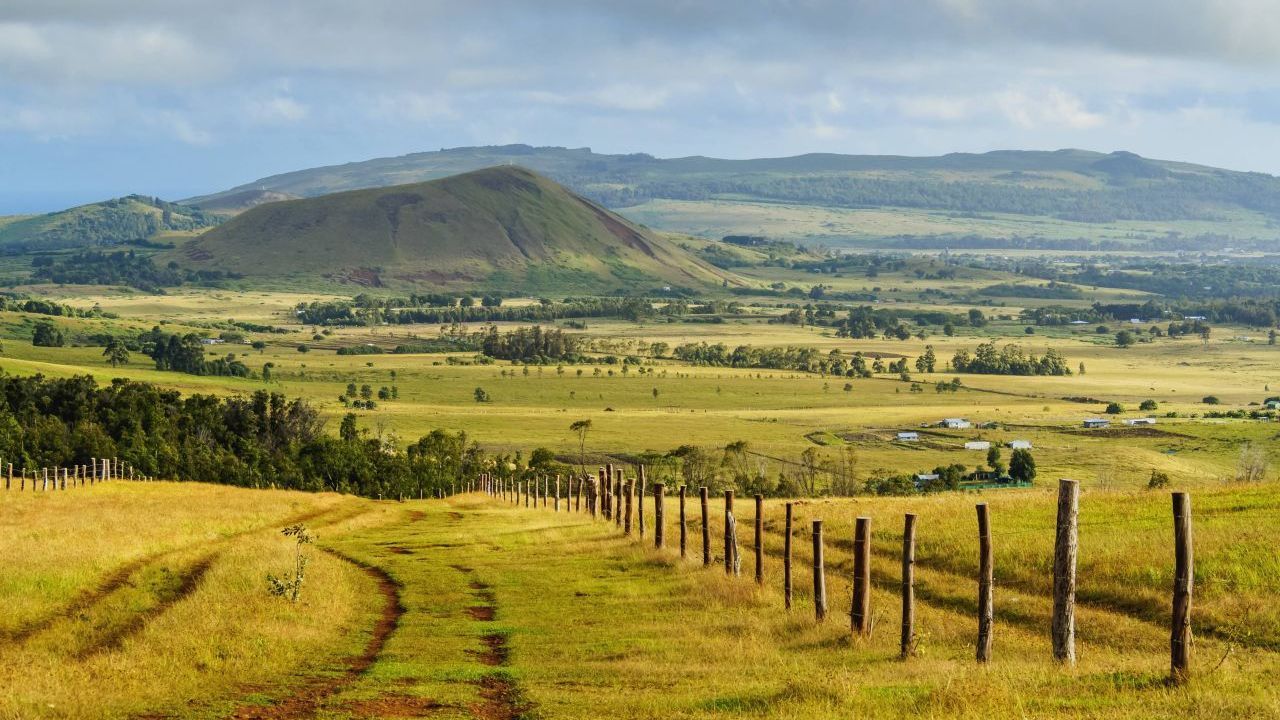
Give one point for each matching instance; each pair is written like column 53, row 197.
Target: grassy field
column 474, row 608
column 863, row 228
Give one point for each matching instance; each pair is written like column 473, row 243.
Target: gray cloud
column 247, row 88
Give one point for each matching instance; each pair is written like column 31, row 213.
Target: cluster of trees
column 186, row 353
column 257, row 441
column 96, row 267
column 988, row 359
column 535, row 344
column 403, row 311
column 36, row 306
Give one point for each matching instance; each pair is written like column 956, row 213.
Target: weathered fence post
column 986, row 570
column 619, row 489
column 630, row 491
column 1065, row 548
column 728, row 532
column 908, row 640
column 684, row 527
column 860, row 613
column 706, row 528
column 595, row 498
column 759, row 539
column 819, row 575
column 606, row 474
column 640, row 498
column 557, row 492
column 1183, row 574
column 659, row 515
column 786, row 560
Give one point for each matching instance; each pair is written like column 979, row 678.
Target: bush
column 1210, row 400
column 1158, row 480
column 46, row 334
column 1114, row 408
column 1148, row 406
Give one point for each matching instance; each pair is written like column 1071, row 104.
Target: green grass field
column 488, row 610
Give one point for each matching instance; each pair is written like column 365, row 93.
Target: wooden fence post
column 619, row 489
column 640, row 498
column 819, row 575
column 986, row 614
column 684, row 527
column 706, row 528
column 1183, row 574
column 759, row 539
column 1065, row 547
column 908, row 640
column 557, row 492
column 630, row 485
column 659, row 516
column 860, row 613
column 728, row 533
column 606, row 473
column 786, row 560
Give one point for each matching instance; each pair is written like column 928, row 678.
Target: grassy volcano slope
column 135, row 217
column 505, row 226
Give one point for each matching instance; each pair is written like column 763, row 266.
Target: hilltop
column 110, row 222
column 1007, row 194
column 504, row 227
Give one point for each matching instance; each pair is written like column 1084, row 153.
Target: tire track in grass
column 306, row 700
column 501, row 697
column 115, row 580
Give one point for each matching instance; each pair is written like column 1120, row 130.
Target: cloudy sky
column 175, row 98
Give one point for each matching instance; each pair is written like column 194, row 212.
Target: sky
column 175, row 98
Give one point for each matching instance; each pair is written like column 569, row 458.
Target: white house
column 926, row 477
column 977, row 445
column 1079, row 322
column 1097, row 422
column 1140, row 421
column 211, row 341
column 956, row 423
column 1193, row 317
column 1019, row 444
column 908, row 436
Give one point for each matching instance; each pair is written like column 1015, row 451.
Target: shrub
column 290, row 584
column 1148, row 406
column 1210, row 400
column 1158, row 480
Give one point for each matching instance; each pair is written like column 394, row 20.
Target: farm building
column 1140, row 421
column 1019, row 444
column 977, row 445
column 1272, row 404
column 922, row 478
column 1097, row 422
column 908, row 436
column 956, row 423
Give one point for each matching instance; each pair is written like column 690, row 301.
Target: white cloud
column 277, row 110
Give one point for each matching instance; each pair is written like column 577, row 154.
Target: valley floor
column 149, row 601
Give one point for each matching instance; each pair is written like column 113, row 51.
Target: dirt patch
column 307, row 699
column 1125, row 432
column 501, row 699
column 484, row 613
column 495, row 652
column 397, row 549
column 453, row 515
column 393, row 706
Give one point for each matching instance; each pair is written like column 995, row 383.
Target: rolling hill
column 1054, row 196
column 504, row 228
column 111, row 222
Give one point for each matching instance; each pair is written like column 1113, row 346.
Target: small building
column 956, row 423
column 908, row 436
column 1194, row 317
column 1079, row 322
column 1135, row 321
column 922, row 478
column 1097, row 422
column 1140, row 421
column 1272, row 404
column 1019, row 444
column 211, row 341
column 977, row 445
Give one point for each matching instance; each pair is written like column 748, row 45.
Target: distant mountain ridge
column 505, row 228
column 110, row 222
column 1077, row 185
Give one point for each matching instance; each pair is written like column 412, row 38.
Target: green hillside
column 1070, row 184
column 111, row 222
column 503, row 227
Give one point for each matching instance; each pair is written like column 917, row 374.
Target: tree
column 1148, row 406
column 581, row 428
column 949, row 330
column 993, row 459
column 1210, row 400
column 928, row 361
column 1114, row 408
column 302, row 348
column 266, row 372
column 1252, row 465
column 116, row 353
column 481, row 395
column 46, row 334
column 1125, row 339
column 1271, row 337
column 1022, row 466
column 366, row 391
column 259, row 346
column 348, row 431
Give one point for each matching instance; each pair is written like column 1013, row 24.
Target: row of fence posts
column 61, row 478
column 609, row 495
